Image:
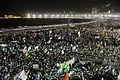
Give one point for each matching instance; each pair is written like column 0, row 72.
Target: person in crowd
column 94, row 49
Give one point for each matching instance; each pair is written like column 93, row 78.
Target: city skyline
column 21, row 6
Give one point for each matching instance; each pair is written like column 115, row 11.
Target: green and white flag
column 65, row 66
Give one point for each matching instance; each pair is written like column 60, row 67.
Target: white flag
column 71, row 61
column 79, row 33
column 82, row 62
column 25, row 49
column 29, row 48
column 36, row 47
column 113, row 71
column 83, row 76
column 3, row 45
column 71, row 73
column 102, row 79
column 118, row 77
column 16, row 77
column 23, row 75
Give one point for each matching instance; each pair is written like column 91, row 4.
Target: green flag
column 66, row 67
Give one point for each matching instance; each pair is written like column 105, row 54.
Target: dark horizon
column 21, row 6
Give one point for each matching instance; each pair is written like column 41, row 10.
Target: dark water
column 13, row 23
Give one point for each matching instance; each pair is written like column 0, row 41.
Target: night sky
column 21, row 6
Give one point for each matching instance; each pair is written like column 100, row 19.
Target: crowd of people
column 38, row 52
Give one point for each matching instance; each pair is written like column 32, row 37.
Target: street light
column 58, row 16
column 28, row 15
column 40, row 16
column 53, row 16
column 46, row 16
column 33, row 16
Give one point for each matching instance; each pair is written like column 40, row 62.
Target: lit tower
column 69, row 13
